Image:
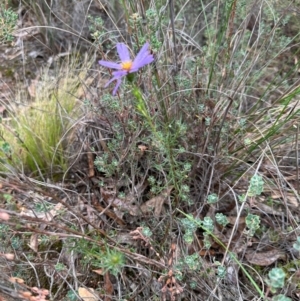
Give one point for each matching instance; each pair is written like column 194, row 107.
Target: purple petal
column 123, row 52
column 110, row 81
column 120, row 73
column 110, row 65
column 136, row 65
column 143, row 58
column 116, row 87
column 117, row 75
column 142, row 52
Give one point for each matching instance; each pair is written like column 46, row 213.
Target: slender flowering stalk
column 127, row 66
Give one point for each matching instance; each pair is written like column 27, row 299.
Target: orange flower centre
column 126, row 65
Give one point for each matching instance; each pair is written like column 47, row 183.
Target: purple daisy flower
column 127, row 65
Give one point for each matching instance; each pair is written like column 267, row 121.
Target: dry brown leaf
column 234, row 219
column 157, row 202
column 32, row 88
column 108, row 287
column 265, row 258
column 26, row 294
column 126, row 204
column 4, row 216
column 142, row 149
column 293, row 200
column 87, row 294
column 108, row 212
column 99, row 272
column 276, row 195
column 122, row 203
column 16, row 280
column 46, row 216
column 53, row 212
column 8, row 256
column 33, row 244
column 91, row 169
column 290, row 197
column 265, row 208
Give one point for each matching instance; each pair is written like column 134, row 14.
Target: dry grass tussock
column 183, row 186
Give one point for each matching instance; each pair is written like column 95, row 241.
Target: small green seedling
column 276, row 279
column 296, row 245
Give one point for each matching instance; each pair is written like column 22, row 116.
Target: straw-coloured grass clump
column 37, row 132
